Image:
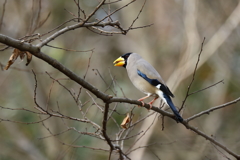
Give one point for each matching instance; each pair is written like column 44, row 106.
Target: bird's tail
column 173, row 108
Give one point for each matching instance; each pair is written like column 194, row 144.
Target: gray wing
column 148, row 70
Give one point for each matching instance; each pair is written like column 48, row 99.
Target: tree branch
column 193, row 76
column 75, row 26
column 21, row 45
column 3, row 12
column 212, row 109
column 104, row 129
column 212, row 140
column 35, row 50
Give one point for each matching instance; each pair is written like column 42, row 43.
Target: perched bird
column 145, row 78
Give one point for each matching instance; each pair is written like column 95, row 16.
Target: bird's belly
column 145, row 87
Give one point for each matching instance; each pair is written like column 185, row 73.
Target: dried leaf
column 125, row 121
column 29, row 57
column 12, row 58
column 21, row 54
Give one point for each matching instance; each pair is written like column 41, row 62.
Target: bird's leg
column 150, row 103
column 141, row 99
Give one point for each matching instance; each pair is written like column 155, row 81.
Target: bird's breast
column 143, row 85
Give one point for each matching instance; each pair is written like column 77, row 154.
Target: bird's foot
column 141, row 102
column 150, row 104
column 144, row 104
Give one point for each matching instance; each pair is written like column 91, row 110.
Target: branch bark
column 107, row 99
column 212, row 109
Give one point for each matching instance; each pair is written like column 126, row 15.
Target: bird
column 146, row 79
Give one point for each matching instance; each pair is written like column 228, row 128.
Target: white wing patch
column 160, row 93
column 158, row 86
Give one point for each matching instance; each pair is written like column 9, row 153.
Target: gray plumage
column 135, row 62
column 145, row 78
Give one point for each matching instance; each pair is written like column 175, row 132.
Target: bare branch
column 59, row 26
column 58, row 115
column 20, row 69
column 104, row 126
column 137, row 15
column 103, row 32
column 79, row 9
column 72, row 50
column 126, row 138
column 20, row 109
column 206, row 87
column 193, row 76
column 95, row 10
column 144, row 26
column 129, row 151
column 212, row 109
column 101, row 131
column 152, row 144
column 7, row 120
column 211, row 139
column 41, row 23
column 72, row 27
column 3, row 12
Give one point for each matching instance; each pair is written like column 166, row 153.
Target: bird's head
column 122, row 61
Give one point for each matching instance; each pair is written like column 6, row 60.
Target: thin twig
column 94, row 11
column 101, row 109
column 20, row 109
column 88, row 65
column 35, row 94
column 54, row 135
column 72, row 50
column 41, row 23
column 3, row 12
column 31, row 19
column 57, row 80
column 36, row 21
column 59, row 115
column 22, row 70
column 7, row 120
column 126, row 138
column 49, row 94
column 104, row 131
column 59, row 26
column 71, row 13
column 193, row 76
column 104, row 127
column 130, row 150
column 103, row 32
column 212, row 109
column 152, row 144
column 144, row 26
column 137, row 15
column 107, row 3
column 206, row 87
column 38, row 14
column 72, row 27
column 211, row 139
column 100, row 76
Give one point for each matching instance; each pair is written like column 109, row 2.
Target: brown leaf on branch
column 21, row 54
column 29, row 57
column 125, row 121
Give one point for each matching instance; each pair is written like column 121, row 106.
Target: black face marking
column 125, row 56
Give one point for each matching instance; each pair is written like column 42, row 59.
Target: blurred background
column 171, row 45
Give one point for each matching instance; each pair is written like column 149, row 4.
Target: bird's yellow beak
column 119, row 62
